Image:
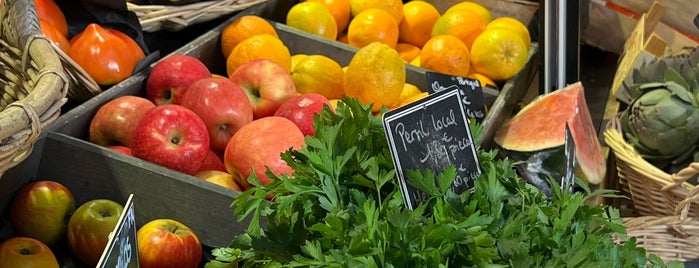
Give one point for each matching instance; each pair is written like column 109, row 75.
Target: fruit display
column 466, row 40
column 80, row 236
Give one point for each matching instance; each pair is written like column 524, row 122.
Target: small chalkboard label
column 122, row 249
column 470, row 90
column 432, row 134
column 568, row 180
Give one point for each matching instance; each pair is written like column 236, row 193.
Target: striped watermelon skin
column 541, row 124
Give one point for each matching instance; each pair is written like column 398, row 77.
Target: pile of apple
column 43, row 215
column 221, row 129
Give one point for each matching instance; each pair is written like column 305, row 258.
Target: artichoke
column 663, row 123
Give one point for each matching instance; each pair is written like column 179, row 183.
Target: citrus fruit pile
column 375, row 75
column 466, row 40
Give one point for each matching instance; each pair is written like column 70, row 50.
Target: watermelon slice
column 540, row 125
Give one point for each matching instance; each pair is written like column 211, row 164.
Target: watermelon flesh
column 541, row 124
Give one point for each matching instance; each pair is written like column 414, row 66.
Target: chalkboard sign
column 122, row 249
column 568, row 180
column 432, row 134
column 470, row 90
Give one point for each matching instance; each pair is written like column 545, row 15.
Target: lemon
column 375, row 75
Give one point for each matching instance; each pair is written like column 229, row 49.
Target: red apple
column 221, row 178
column 40, row 210
column 20, row 252
column 167, row 243
column 258, row 145
column 300, row 110
column 89, row 228
column 171, row 77
column 222, row 105
column 121, row 149
column 114, row 121
column 266, row 83
column 172, row 136
column 213, row 162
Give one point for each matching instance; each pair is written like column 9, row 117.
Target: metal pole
column 560, row 26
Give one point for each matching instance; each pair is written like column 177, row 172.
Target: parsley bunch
column 343, row 208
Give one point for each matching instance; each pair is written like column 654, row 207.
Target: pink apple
column 121, row 149
column 267, row 85
column 222, row 105
column 301, row 109
column 41, row 209
column 168, row 243
column 213, row 162
column 26, row 252
column 172, row 136
column 258, row 145
column 114, row 121
column 171, row 76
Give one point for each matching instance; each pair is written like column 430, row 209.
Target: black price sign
column 470, row 90
column 122, row 250
column 568, row 180
column 432, row 134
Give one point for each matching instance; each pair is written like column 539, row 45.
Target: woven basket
column 33, row 83
column 653, row 191
column 81, row 85
column 673, row 238
column 175, row 17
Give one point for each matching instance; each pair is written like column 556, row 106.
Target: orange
column 407, row 51
column 314, row 18
column 498, row 53
column 413, row 98
column 375, row 75
column 465, row 24
column 393, row 7
column 241, row 29
column 49, row 11
column 343, row 38
column 340, row 9
column 512, row 24
column 484, row 80
column 372, row 25
column 261, row 46
column 418, row 19
column 317, row 74
column 54, row 35
column 446, row 54
column 478, row 8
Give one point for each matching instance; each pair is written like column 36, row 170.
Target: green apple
column 89, row 228
column 40, row 210
column 26, row 252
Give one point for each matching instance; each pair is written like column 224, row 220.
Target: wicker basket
column 673, row 238
column 175, row 17
column 33, row 83
column 81, row 85
column 653, row 191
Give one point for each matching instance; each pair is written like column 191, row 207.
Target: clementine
column 242, row 28
column 393, row 7
column 261, row 46
column 465, row 24
column 372, row 25
column 446, row 54
column 407, row 51
column 340, row 9
column 418, row 19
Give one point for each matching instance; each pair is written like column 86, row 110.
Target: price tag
column 568, row 180
column 432, row 134
column 122, row 249
column 470, row 90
